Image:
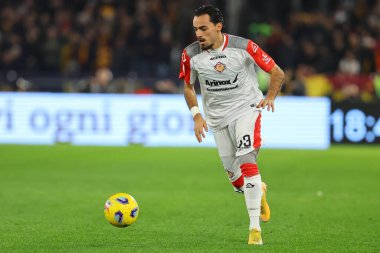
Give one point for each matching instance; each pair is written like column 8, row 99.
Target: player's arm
column 189, row 76
column 266, row 63
column 276, row 79
column 199, row 122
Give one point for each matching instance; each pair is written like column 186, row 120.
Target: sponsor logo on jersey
column 217, row 57
column 224, row 88
column 220, row 67
column 234, row 81
column 215, row 83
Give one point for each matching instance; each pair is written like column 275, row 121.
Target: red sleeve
column 184, row 72
column 261, row 58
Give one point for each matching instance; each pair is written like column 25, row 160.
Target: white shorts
column 240, row 137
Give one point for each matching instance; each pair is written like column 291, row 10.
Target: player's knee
column 231, row 165
column 248, row 164
column 251, row 157
column 233, row 174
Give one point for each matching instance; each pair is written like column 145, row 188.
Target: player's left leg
column 252, row 193
column 264, row 206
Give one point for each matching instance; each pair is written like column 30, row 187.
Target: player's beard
column 207, row 47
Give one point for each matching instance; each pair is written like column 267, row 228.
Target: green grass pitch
column 52, row 200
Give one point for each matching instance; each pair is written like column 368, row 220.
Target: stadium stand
column 328, row 48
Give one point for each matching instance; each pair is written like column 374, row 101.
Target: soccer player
column 225, row 67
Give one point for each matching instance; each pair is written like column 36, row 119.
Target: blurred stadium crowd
column 327, row 48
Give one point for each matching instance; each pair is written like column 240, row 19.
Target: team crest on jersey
column 220, row 67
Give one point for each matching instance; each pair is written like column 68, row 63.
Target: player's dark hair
column 215, row 14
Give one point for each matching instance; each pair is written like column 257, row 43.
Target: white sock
column 252, row 194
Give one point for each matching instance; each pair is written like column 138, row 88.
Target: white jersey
column 227, row 77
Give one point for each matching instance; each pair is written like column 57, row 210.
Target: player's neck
column 219, row 42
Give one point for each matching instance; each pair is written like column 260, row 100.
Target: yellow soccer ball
column 121, row 210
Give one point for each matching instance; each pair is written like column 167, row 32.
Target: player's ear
column 219, row 27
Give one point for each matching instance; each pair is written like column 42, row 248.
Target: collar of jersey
column 222, row 47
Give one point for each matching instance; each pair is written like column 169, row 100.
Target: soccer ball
column 121, row 210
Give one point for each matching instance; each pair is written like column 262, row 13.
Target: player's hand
column 200, row 125
column 266, row 102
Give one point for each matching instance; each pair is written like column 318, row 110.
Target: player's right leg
column 227, row 150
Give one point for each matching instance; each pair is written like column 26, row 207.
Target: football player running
column 225, row 67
